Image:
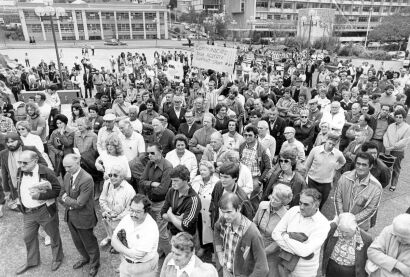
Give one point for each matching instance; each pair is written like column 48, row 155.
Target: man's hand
column 155, row 184
column 134, row 254
column 170, row 213
column 35, row 195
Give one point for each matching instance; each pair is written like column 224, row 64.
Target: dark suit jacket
column 98, row 123
column 174, row 120
column 89, row 82
column 277, row 132
column 5, row 174
column 183, row 129
column 79, row 204
column 361, row 255
column 46, row 174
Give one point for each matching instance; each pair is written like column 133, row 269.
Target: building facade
column 97, row 21
column 351, row 17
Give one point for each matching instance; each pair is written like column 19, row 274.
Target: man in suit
column 176, row 113
column 190, row 126
column 77, row 196
column 276, row 127
column 88, row 82
column 39, row 208
column 9, row 158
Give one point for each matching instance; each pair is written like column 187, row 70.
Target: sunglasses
column 303, row 116
column 284, row 161
column 113, row 175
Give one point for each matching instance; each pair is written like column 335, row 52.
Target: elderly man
column 132, row 142
column 292, row 142
column 190, row 126
column 277, row 127
column 155, row 182
column 77, row 196
column 107, row 130
column 358, row 192
column 238, row 243
column 136, row 238
column 163, row 135
column 389, row 254
column 176, row 113
column 38, row 188
column 266, row 139
column 216, row 151
column 321, row 165
column 395, row 141
column 133, row 116
column 315, row 115
column 300, row 234
column 334, row 116
column 183, row 261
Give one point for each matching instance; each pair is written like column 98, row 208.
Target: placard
column 217, row 58
column 175, row 71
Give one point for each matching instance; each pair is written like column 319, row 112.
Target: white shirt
column 269, row 143
column 133, row 145
column 188, row 159
column 188, row 269
column 245, row 180
column 143, row 237
column 137, row 126
column 75, row 175
column 315, row 228
column 27, row 183
column 336, row 121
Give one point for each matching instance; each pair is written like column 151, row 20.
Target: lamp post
column 251, row 21
column 368, row 26
column 156, row 21
column 48, row 11
column 311, row 21
column 233, row 23
column 170, row 19
column 324, row 26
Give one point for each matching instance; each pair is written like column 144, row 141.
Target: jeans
column 164, row 245
column 323, row 188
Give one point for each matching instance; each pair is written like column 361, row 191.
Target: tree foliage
column 392, row 28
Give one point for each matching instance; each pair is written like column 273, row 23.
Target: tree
column 392, row 28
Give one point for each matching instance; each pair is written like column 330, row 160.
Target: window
column 363, row 18
column 376, row 9
column 287, row 5
column 137, row 27
column 107, row 15
column 150, row 16
column 269, row 16
column 136, row 16
column 262, row 4
column 278, row 5
column 366, row 8
column 355, row 8
column 276, row 16
column 300, row 5
column 375, row 19
column 122, row 16
column 123, row 27
column 92, row 15
column 35, row 28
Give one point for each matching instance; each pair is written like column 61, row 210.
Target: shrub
column 375, row 54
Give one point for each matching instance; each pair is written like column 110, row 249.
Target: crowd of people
column 235, row 164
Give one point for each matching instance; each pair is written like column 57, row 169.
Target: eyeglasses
column 248, row 135
column 303, row 116
column 284, row 161
column 151, row 153
column 136, row 211
column 24, row 163
column 113, row 175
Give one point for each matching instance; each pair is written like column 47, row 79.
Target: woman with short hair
column 267, row 217
column 114, row 201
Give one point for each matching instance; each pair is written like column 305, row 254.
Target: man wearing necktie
column 38, row 188
column 77, row 195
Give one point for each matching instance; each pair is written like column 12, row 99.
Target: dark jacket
column 250, row 258
column 297, row 184
column 174, row 120
column 305, row 134
column 156, row 173
column 166, row 140
column 373, row 122
column 263, row 160
column 183, row 129
column 79, row 204
column 277, row 132
column 88, row 79
column 46, row 174
column 361, row 255
column 5, row 174
column 98, row 124
column 247, row 209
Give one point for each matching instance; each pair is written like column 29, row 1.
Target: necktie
column 28, row 173
column 72, row 182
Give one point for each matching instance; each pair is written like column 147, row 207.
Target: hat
column 109, row 117
column 313, row 101
column 13, row 136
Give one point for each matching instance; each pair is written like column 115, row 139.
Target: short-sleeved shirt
column 36, row 123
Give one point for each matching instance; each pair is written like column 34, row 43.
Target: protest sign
column 217, row 58
column 175, row 71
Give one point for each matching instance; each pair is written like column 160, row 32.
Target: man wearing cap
column 322, row 163
column 315, row 115
column 108, row 129
column 38, row 188
column 9, row 158
column 389, row 254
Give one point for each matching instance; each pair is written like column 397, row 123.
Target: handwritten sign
column 175, row 70
column 217, row 58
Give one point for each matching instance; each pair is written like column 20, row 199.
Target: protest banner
column 217, row 58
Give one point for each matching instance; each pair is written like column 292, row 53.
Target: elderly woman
column 267, row 217
column 60, row 143
column 114, row 201
column 232, row 139
column 84, row 138
column 114, row 155
column 29, row 139
column 203, row 185
column 181, row 155
column 286, row 174
column 345, row 249
column 202, row 137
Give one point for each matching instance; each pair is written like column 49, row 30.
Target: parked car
column 114, row 42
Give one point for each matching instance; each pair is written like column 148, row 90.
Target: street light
column 156, row 21
column 170, row 19
column 311, row 21
column 233, row 23
column 251, row 21
column 48, row 11
column 368, row 26
column 324, row 26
